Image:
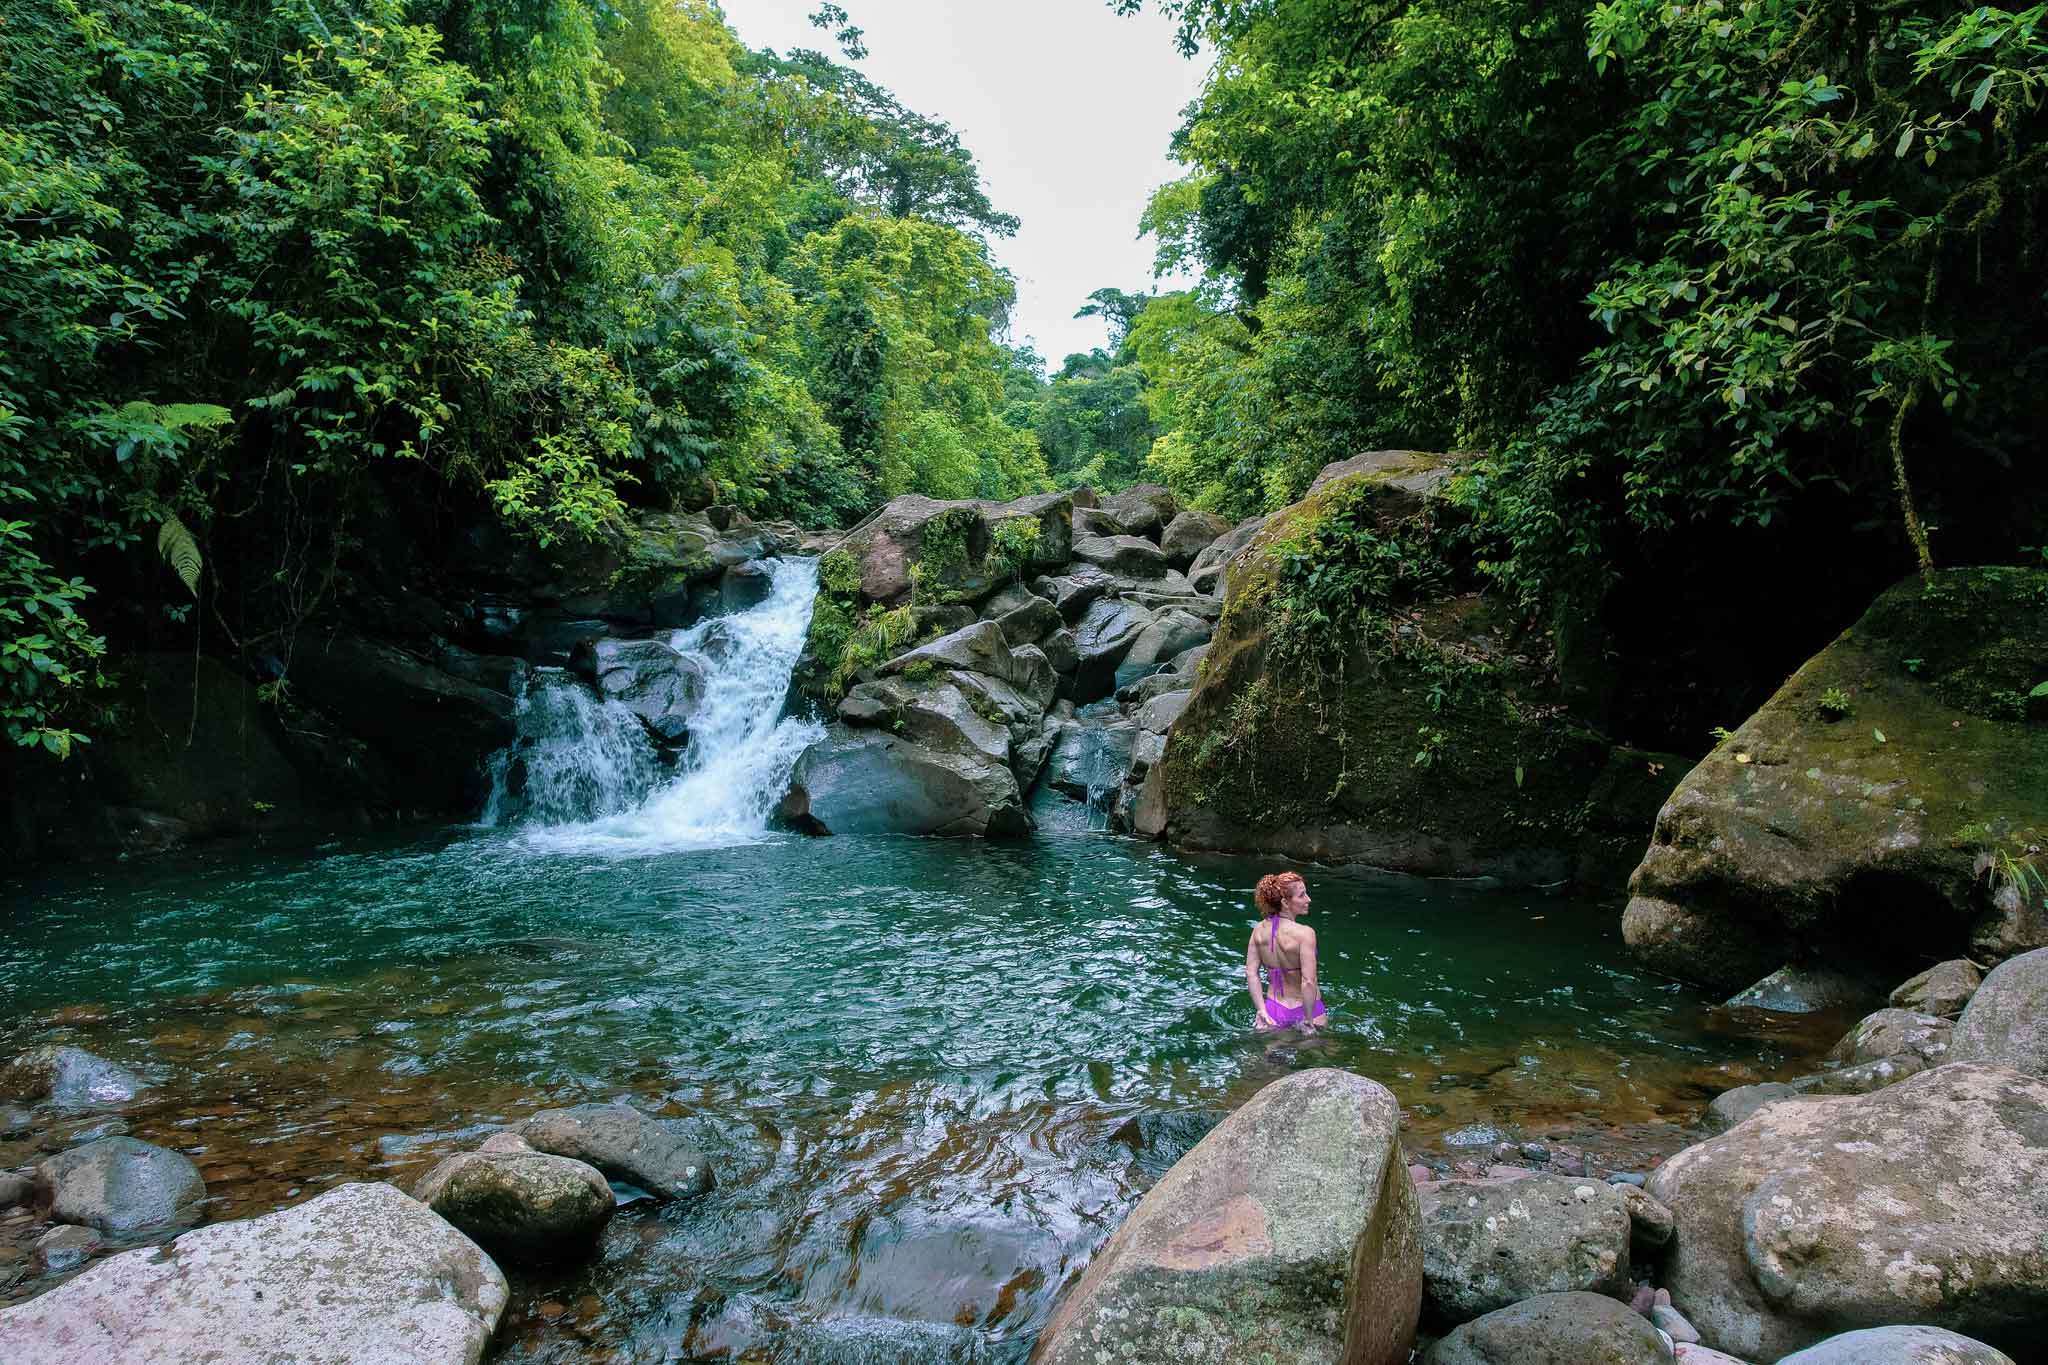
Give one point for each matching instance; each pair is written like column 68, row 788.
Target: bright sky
column 1068, row 109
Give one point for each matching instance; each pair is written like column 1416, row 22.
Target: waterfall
column 742, row 748
column 577, row 756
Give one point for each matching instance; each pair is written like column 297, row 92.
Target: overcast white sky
column 1067, row 108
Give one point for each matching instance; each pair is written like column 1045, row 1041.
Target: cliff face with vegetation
column 1364, row 700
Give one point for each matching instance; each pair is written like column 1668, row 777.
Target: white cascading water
column 577, row 756
column 742, row 748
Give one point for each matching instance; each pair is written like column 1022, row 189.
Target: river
column 932, row 1075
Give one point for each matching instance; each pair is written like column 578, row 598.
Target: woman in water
column 1286, row 948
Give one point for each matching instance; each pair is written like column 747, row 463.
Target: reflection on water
column 932, row 1074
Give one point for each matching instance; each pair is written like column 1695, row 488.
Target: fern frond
column 177, row 416
column 180, row 551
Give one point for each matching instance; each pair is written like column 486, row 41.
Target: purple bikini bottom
column 1285, row 1015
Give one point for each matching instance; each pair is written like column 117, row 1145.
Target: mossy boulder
column 1363, row 701
column 961, row 550
column 1883, row 808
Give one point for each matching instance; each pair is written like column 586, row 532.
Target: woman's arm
column 1251, row 980
column 1311, row 989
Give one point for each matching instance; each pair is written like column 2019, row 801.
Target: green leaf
column 180, row 551
column 1518, row 767
column 1878, row 735
column 1983, row 93
column 2040, row 690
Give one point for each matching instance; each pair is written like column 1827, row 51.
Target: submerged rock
column 120, row 1184
column 360, row 1274
column 520, row 1204
column 624, row 1144
column 1487, row 1244
column 2006, row 1023
column 1806, row 990
column 1289, row 1233
column 1918, row 1203
column 70, row 1078
column 1845, row 821
column 1555, row 1329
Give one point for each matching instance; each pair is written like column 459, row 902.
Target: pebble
column 1535, row 1151
column 15, row 1189
column 549, row 1311
column 1626, row 1178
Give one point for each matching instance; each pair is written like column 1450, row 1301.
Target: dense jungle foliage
column 1714, row 289
column 1704, row 281
column 268, row 268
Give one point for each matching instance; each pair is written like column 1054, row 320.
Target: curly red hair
column 1273, row 889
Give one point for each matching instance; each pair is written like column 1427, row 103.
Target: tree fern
column 180, row 551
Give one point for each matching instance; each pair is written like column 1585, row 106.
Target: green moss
column 1357, row 679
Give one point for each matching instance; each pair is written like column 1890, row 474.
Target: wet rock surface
column 1487, row 1244
column 1907, row 1205
column 1554, row 1329
column 522, row 1205
column 1288, row 1233
column 1899, row 1346
column 69, row 1078
column 2006, row 1021
column 1886, row 762
column 361, row 1273
column 121, row 1185
column 624, row 1144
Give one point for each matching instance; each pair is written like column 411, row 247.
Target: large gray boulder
column 1131, row 558
column 979, row 648
column 1030, row 621
column 964, row 550
column 663, row 688
column 624, row 1144
column 1849, row 818
column 121, row 1184
column 1075, row 591
column 68, row 1077
column 1917, row 1203
column 2006, row 1023
column 1912, row 1040
column 1942, row 989
column 519, row 1204
column 1555, row 1329
column 1899, row 1346
column 1731, row 1107
column 1287, row 1234
column 1207, row 571
column 1489, row 1243
column 1104, row 635
column 1143, row 509
column 1190, row 533
column 871, row 782
column 1171, row 633
column 361, row 1275
column 935, row 713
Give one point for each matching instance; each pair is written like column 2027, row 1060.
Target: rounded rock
column 521, row 1205
column 121, row 1184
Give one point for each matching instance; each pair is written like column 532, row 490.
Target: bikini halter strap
column 1273, row 937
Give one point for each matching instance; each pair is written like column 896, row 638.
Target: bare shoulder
column 1304, row 935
